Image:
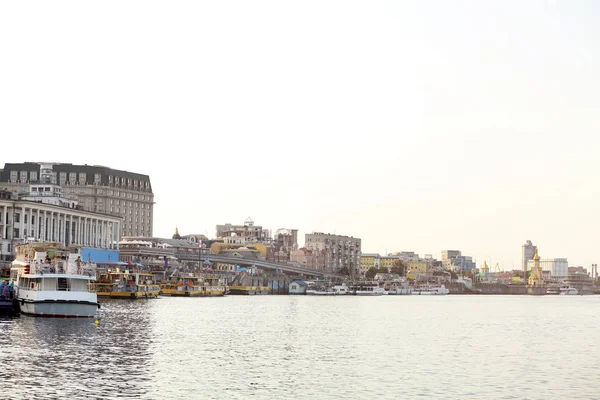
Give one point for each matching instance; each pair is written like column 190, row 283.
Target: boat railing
column 38, row 288
column 85, row 269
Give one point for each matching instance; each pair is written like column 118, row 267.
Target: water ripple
column 493, row 347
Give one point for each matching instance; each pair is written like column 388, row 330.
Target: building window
column 97, row 179
column 13, row 176
column 110, row 180
column 72, row 177
column 23, row 176
column 82, row 178
column 62, row 178
column 33, row 176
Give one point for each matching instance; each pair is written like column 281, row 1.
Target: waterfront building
column 246, row 233
column 418, row 268
column 448, row 258
column 454, row 260
column 554, row 267
column 96, row 188
column 297, row 287
column 339, row 251
column 388, row 261
column 368, row 261
column 286, row 240
column 408, row 255
column 575, row 270
column 581, row 281
column 308, row 258
column 46, row 220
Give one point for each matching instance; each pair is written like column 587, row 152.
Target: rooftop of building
column 104, row 172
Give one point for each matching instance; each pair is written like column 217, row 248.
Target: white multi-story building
column 527, row 253
column 45, row 221
column 338, row 251
column 558, row 267
column 96, row 188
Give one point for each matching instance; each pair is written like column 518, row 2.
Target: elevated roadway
column 244, row 262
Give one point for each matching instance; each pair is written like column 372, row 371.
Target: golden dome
column 484, row 266
column 537, row 256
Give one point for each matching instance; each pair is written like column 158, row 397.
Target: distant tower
column 485, row 269
column 528, row 251
column 176, row 235
column 536, row 279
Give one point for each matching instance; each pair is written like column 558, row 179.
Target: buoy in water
column 97, row 322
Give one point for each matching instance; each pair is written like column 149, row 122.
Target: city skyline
column 411, row 127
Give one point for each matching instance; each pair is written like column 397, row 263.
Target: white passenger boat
column 339, row 290
column 569, row 291
column 318, row 292
column 400, row 291
column 367, row 289
column 52, row 281
column 324, row 290
column 441, row 290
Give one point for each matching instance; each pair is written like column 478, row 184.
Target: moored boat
column 53, row 281
column 133, row 285
column 398, row 291
column 367, row 289
column 194, row 286
column 568, row 291
column 431, row 291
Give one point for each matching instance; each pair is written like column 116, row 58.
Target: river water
column 451, row 347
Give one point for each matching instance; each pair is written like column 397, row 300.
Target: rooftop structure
column 249, row 232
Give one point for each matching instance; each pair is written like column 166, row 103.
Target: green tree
column 371, row 272
column 399, row 268
column 453, row 274
column 383, row 270
column 345, row 271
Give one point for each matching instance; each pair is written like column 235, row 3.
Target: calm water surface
column 458, row 347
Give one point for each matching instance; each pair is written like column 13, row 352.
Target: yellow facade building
column 417, row 268
column 369, row 260
column 388, row 261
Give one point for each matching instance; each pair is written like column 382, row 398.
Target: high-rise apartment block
column 97, row 189
column 338, row 251
column 527, row 253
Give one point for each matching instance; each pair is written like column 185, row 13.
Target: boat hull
column 134, row 295
column 59, row 309
column 248, row 290
column 369, row 294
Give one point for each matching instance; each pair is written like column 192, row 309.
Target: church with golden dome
column 536, row 284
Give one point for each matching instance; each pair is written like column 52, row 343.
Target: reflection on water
column 310, row 347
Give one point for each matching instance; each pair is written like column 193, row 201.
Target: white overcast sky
column 414, row 125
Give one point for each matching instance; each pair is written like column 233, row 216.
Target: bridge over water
column 244, row 262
